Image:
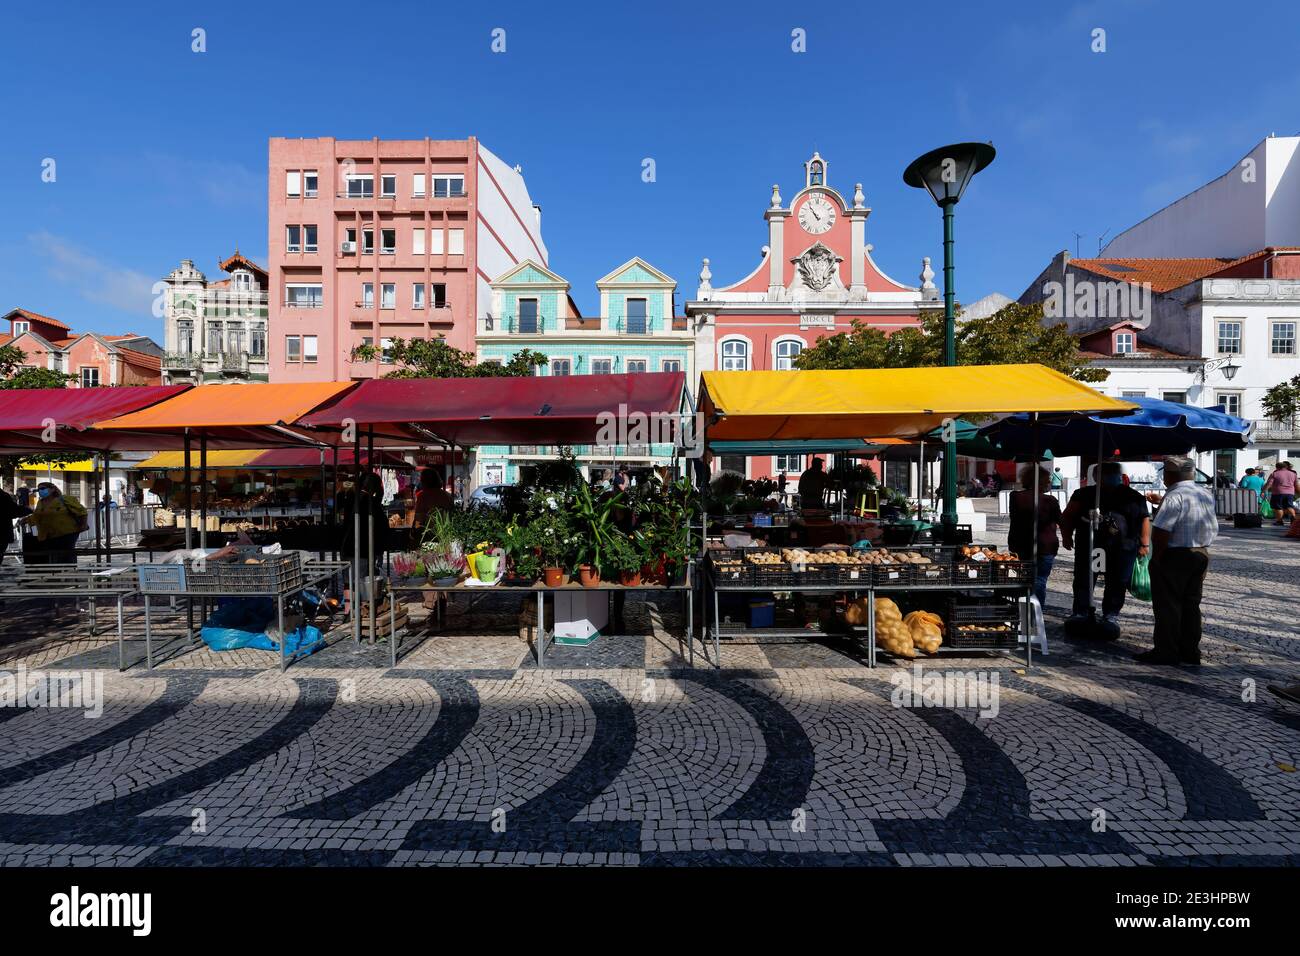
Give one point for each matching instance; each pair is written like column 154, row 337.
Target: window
column 1229, row 337
column 732, row 463
column 89, row 376
column 560, row 366
column 21, row 327
column 417, row 242
column 293, row 183
column 185, row 337
column 528, row 315
column 636, row 366
column 214, row 338
column 786, row 352
column 448, row 186
column 309, row 348
column 367, row 295
column 1283, row 338
column 235, row 340
column 1124, row 343
column 1133, row 394
column 789, row 463
column 735, row 356
column 388, row 296
column 1179, row 397
column 602, row 366
column 439, row 291
column 350, row 239
column 1231, row 402
column 361, row 186
column 257, row 343
column 435, row 242
column 308, row 238
column 367, row 241
column 816, row 174
column 387, row 241
column 303, row 295
column 293, row 348
column 243, row 282
column 388, row 186
column 636, row 316
column 293, row 239
column 386, row 351
column 309, row 184
column 455, row 242
column 417, row 186
column 671, row 365
column 417, row 295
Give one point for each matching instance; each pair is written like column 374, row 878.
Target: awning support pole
column 203, row 490
column 108, row 529
column 370, row 543
column 1033, row 553
column 189, row 542
column 356, row 537
column 321, row 539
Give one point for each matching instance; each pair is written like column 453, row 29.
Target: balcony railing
column 511, row 324
column 178, row 361
column 1268, row 430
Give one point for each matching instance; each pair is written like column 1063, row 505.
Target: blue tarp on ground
column 242, row 622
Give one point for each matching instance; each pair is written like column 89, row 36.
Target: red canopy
column 576, row 409
column 27, row 413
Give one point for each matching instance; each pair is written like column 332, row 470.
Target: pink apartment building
column 371, row 240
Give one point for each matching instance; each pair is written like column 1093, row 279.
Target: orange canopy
column 253, row 413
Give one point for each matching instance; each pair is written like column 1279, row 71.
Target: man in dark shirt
column 1124, row 534
column 812, row 485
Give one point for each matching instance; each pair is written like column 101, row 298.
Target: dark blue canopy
column 1155, row 428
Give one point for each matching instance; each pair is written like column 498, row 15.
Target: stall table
column 53, row 582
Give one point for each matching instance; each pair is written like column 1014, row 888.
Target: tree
column 1014, row 334
column 13, row 374
column 1281, row 403
column 434, row 358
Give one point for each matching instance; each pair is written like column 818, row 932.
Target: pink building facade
column 371, row 240
column 92, row 359
column 816, row 278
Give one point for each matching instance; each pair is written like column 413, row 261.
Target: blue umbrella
column 1156, row 428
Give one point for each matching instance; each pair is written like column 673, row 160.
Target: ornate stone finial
column 705, row 285
column 859, row 200
column 928, row 289
column 776, row 196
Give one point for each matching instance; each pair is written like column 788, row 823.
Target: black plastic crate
column 1013, row 572
column 192, row 575
column 850, row 575
column 964, row 637
column 276, row 573
column 933, row 574
column 968, row 610
column 892, row 575
column 969, row 573
column 772, row 575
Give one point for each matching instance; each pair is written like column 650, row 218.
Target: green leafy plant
column 592, row 521
column 622, row 556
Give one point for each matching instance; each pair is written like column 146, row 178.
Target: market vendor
column 812, row 485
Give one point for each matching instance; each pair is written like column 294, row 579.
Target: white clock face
column 817, row 215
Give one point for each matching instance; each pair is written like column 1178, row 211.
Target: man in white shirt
column 1183, row 529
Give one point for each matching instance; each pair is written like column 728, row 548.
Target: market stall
column 464, row 413
column 972, row 582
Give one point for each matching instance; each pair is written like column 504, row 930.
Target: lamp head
column 947, row 171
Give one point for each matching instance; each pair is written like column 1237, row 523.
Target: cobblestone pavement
column 622, row 754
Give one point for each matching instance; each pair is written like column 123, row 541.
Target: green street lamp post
column 945, row 174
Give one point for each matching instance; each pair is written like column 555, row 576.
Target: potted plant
column 623, row 558
column 591, row 519
column 443, row 571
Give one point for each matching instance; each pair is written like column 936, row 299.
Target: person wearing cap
column 58, row 519
column 1183, row 529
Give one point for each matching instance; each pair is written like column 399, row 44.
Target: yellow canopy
column 883, row 403
column 217, row 458
column 87, row 465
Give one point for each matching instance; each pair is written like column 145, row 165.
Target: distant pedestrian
column 1184, row 528
column 1123, row 535
column 58, row 519
column 1020, row 539
column 1282, row 485
column 1251, row 481
column 10, row 511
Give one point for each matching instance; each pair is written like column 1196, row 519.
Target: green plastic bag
column 1140, row 584
column 1265, row 509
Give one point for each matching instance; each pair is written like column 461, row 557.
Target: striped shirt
column 1187, row 513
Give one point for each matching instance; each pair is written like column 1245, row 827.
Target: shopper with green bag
column 1140, row 584
column 1265, row 509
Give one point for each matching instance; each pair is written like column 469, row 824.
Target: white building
column 215, row 331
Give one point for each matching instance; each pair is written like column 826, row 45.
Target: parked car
column 488, row 496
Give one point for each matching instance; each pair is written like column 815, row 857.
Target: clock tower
column 816, row 278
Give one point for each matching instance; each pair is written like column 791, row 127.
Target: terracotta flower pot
column 553, row 577
column 630, row 579
column 588, row 576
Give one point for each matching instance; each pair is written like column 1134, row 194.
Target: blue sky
column 161, row 152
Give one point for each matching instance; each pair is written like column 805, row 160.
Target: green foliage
column 13, row 375
column 1281, row 403
column 1012, row 335
column 435, row 358
column 591, row 518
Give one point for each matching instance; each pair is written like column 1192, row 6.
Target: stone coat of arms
column 818, row 267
